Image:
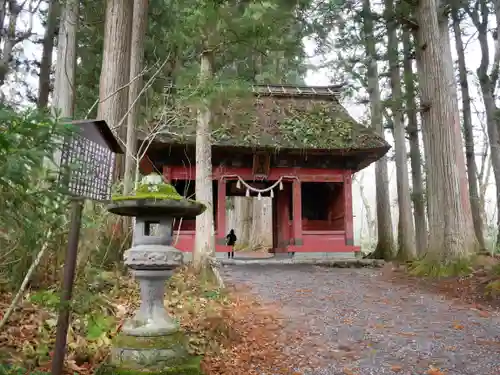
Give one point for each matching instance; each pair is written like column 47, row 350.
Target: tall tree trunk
column 483, row 185
column 447, row 59
column 488, row 82
column 115, row 71
column 417, row 195
column 47, row 51
column 139, row 26
column 385, row 244
column 64, row 84
column 204, row 248
column 406, row 232
column 9, row 39
column 3, row 11
column 451, row 232
column 468, row 134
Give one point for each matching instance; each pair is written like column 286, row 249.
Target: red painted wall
column 308, row 234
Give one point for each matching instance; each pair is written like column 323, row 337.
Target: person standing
column 231, row 241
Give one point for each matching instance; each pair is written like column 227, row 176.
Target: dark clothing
column 231, row 241
column 231, row 238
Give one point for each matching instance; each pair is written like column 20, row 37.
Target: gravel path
column 369, row 326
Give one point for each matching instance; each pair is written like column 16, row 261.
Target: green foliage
column 45, row 298
column 253, row 41
column 14, row 370
column 33, row 205
column 97, row 325
column 30, row 200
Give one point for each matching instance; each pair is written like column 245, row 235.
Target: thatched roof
column 279, row 117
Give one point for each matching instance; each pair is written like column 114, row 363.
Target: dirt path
column 369, row 326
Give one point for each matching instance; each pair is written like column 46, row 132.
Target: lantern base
column 158, row 355
column 151, row 319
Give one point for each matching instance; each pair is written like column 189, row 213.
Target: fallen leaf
column 483, row 314
column 396, row 368
column 434, row 371
column 348, row 371
column 408, row 334
column 487, row 342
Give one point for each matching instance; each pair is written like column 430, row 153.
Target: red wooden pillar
column 221, row 212
column 348, row 216
column 283, row 218
column 297, row 213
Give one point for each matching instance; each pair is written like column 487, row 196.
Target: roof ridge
column 297, row 90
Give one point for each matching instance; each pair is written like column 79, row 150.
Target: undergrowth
column 224, row 327
column 432, row 268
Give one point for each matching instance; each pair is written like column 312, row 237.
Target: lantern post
column 85, row 173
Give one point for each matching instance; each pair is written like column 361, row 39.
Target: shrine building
column 296, row 144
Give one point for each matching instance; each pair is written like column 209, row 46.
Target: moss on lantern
column 152, row 187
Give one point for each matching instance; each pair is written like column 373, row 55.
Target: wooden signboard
column 261, row 165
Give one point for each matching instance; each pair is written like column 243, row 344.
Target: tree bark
column 418, row 196
column 3, row 11
column 385, row 244
column 115, row 70
column 447, row 59
column 451, row 232
column 472, row 173
column 9, row 39
column 406, row 233
column 64, row 83
column 47, row 51
column 204, row 248
column 139, row 26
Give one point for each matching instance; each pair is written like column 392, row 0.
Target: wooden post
column 348, row 217
column 67, row 287
column 297, row 213
column 283, row 218
column 167, row 174
column 221, row 211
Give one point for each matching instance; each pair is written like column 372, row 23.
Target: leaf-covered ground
column 377, row 322
column 235, row 333
column 283, row 320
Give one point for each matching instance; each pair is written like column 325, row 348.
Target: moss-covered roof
column 290, row 117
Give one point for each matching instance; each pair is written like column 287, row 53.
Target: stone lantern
column 151, row 339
